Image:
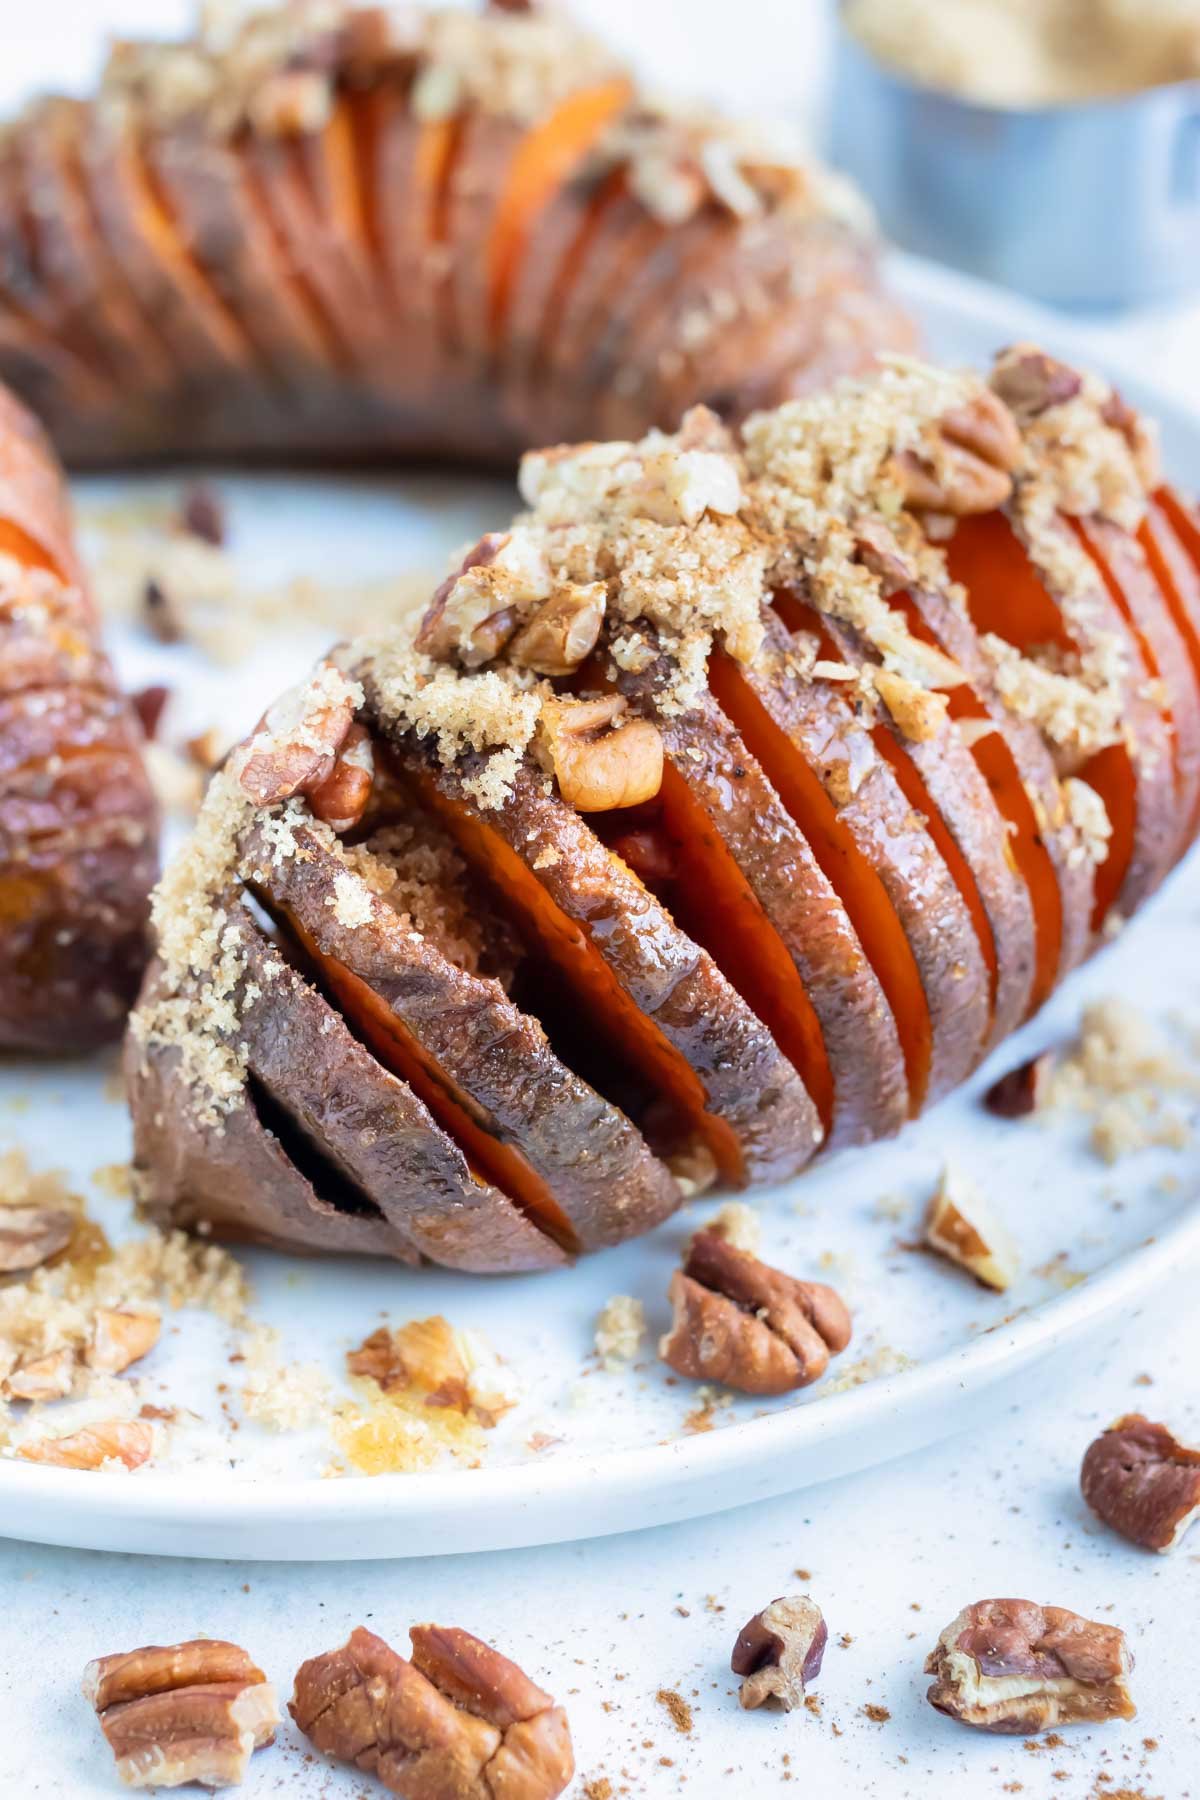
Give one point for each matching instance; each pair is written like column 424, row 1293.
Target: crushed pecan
column 295, row 747
column 1142, row 1481
column 563, row 632
column 120, row 1338
column 182, row 1713
column 1012, row 1666
column 341, row 799
column 1021, row 1091
column 601, row 759
column 967, row 467
column 475, row 611
column 202, row 514
column 778, row 1651
column 459, row 1722
column 31, row 1235
column 129, row 1441
column 1029, row 382
column 961, row 1226
column 751, row 1327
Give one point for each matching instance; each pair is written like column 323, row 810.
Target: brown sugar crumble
column 677, row 1709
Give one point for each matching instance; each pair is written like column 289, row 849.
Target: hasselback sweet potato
column 701, row 819
column 77, row 820
column 396, row 233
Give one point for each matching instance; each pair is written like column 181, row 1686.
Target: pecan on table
column 182, row 1713
column 458, row 1722
column 1142, row 1481
column 1012, row 1666
column 778, row 1651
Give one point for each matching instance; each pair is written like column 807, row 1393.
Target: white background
column 891, row 1556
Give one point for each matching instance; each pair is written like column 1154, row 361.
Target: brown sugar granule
column 879, row 1714
column 677, row 1708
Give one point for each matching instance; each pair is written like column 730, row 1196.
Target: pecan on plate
column 128, row 1441
column 1021, row 1091
column 967, row 464
column 778, row 1651
column 49, row 1377
column 961, row 1226
column 458, row 1722
column 1142, row 1481
column 31, row 1235
column 181, row 1713
column 601, row 758
column 1008, row 1665
column 751, row 1327
column 121, row 1337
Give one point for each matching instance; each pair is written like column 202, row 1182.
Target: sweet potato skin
column 593, row 1161
column 743, row 1082
column 77, row 818
column 418, row 1199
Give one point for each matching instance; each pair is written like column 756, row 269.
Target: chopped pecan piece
column 751, row 1327
column 475, row 611
column 1142, row 1481
column 969, row 465
column 1029, row 382
column 129, row 1441
column 31, row 1235
column 182, row 1713
column 1021, row 1091
column 458, row 1722
column 42, row 1377
column 778, row 1651
column 601, row 759
column 563, row 632
column 120, row 1338
column 295, row 747
column 202, row 514
column 961, row 1226
column 1009, row 1665
column 341, row 799
column 160, row 615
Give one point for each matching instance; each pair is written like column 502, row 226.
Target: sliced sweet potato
column 942, row 782
column 571, row 1162
column 1135, row 779
column 86, row 286
column 744, row 882
column 349, row 1115
column 1133, row 587
column 1024, row 783
column 902, row 901
column 654, row 997
column 211, row 198
column 1178, row 581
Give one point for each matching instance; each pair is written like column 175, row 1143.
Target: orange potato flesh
column 1006, row 595
column 996, row 764
column 569, row 948
column 714, row 903
column 547, row 155
column 856, row 883
column 398, row 1050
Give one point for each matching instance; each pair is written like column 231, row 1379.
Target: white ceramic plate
column 588, row 1451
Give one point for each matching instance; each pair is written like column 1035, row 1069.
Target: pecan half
column 961, row 1226
column 31, row 1235
column 129, row 1441
column 563, row 632
column 1021, row 1091
column 751, row 1327
column 601, row 759
column 1012, row 1666
column 182, row 1713
column 1142, row 1481
column 295, row 746
column 458, row 1722
column 778, row 1651
column 120, row 1338
column 1029, row 382
column 968, row 466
